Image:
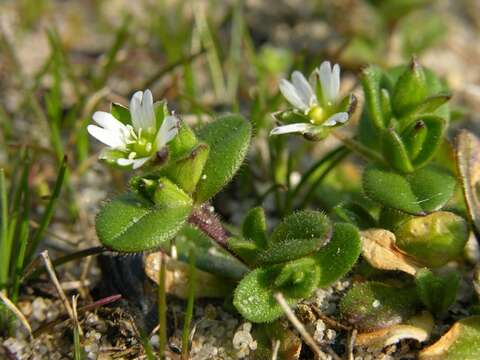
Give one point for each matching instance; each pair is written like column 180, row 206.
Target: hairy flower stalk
column 133, row 144
column 317, row 101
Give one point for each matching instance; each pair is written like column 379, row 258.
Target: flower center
column 141, row 143
column 317, row 115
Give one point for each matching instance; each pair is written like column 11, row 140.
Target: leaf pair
column 162, row 201
column 296, row 279
column 405, row 115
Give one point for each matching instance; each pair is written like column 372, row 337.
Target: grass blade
column 162, row 308
column 47, row 216
column 190, row 304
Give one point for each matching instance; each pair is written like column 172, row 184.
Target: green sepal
column 425, row 190
column 131, row 223
column 395, row 153
column 318, row 133
column 386, row 106
column 437, row 292
column 290, row 116
column 436, row 127
column 169, row 195
column 110, row 157
column 183, row 143
column 413, row 138
column 228, row 138
column 371, row 81
column 121, row 113
column 338, row 257
column 160, row 109
column 373, row 305
column 410, row 90
column 254, row 295
column 432, row 103
column 254, row 227
column 186, row 172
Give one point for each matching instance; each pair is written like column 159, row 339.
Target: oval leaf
column 425, row 190
column 374, row 305
column 339, row 255
column 228, row 138
column 254, row 296
column 130, row 223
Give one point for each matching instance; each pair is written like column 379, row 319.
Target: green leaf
column 371, row 79
column 434, row 239
column 254, row 227
column 436, row 127
column 337, row 257
column 298, row 235
column 410, row 89
column 131, row 223
column 425, row 190
column 121, row 113
column 374, row 305
column 186, row 172
column 395, row 152
column 267, row 334
column 254, row 296
column 228, row 138
column 437, row 292
column 461, row 342
column 209, row 256
column 355, row 214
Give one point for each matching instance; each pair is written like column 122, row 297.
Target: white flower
column 320, row 110
column 136, row 143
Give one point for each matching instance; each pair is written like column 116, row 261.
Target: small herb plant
column 177, row 169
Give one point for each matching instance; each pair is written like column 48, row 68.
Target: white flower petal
column 341, row 117
column 325, row 74
column 108, row 121
column 301, row 128
column 304, row 90
column 136, row 110
column 108, row 137
column 290, row 93
column 167, row 132
column 125, row 162
column 147, row 110
column 139, row 162
column 335, row 82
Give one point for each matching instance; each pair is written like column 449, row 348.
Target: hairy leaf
column 425, row 190
column 228, row 138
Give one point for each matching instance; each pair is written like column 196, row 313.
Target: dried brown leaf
column 379, row 249
column 468, row 164
column 418, row 328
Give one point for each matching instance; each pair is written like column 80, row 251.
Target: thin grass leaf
column 48, row 214
column 234, row 60
column 4, row 238
column 162, row 309
column 218, row 79
column 190, row 304
column 147, row 347
column 11, row 306
column 121, row 38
